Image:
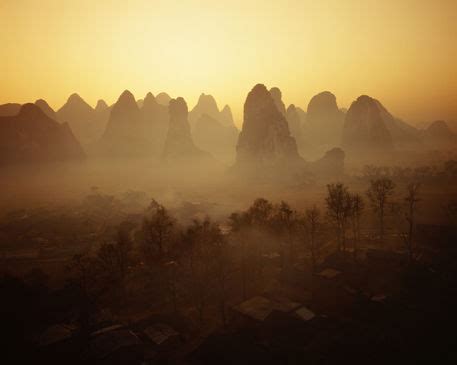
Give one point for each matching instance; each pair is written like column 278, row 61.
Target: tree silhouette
column 357, row 206
column 283, row 221
column 157, row 228
column 338, row 210
column 249, row 228
column 205, row 239
column 223, row 270
column 85, row 278
column 115, row 258
column 259, row 213
column 411, row 199
column 312, row 221
column 379, row 193
column 171, row 273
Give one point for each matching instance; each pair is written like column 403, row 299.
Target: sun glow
column 402, row 55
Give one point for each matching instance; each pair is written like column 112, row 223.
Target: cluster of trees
column 448, row 169
column 202, row 266
column 182, row 263
column 345, row 209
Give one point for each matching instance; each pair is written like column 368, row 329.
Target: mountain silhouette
column 82, row 119
column 276, row 94
column 265, row 140
column 377, row 119
column 295, row 123
column 438, row 135
column 206, row 105
column 365, row 130
column 126, row 135
column 154, row 117
column 163, row 99
column 324, row 123
column 179, row 145
column 101, row 106
column 404, row 136
column 32, row 137
column 124, row 115
column 218, row 139
column 226, row 117
column 213, row 130
column 331, row 164
column 9, row 109
column 44, row 106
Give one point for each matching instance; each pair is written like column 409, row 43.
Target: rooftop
column 329, row 273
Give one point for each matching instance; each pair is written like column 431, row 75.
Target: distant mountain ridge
column 265, row 140
column 324, row 124
column 365, row 129
column 370, row 127
column 438, row 135
column 9, row 109
column 139, row 128
column 213, row 130
column 33, row 137
column 87, row 123
column 124, row 135
column 179, row 146
column 44, row 106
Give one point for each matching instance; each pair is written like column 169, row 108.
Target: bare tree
column 84, row 276
column 259, row 213
column 338, row 210
column 239, row 223
column 357, row 206
column 312, row 217
column 223, row 270
column 157, row 229
column 204, row 237
column 451, row 212
column 115, row 258
column 172, row 282
column 283, row 222
column 379, row 193
column 450, row 167
column 411, row 199
column 248, row 229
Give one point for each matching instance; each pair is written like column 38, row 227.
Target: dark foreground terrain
column 118, row 279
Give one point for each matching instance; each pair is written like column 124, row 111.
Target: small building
column 379, row 298
column 57, row 343
column 271, row 256
column 304, row 314
column 329, row 273
column 162, row 335
column 116, row 346
column 257, row 308
column 106, row 329
column 55, row 334
column 385, row 256
column 225, row 228
column 284, row 304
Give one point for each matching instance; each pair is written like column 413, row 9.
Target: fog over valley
column 202, row 182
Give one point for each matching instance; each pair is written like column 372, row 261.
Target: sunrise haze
column 404, row 53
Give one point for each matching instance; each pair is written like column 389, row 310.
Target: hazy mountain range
column 31, row 136
column 162, row 127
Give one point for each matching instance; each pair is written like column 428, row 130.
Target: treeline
column 441, row 172
column 152, row 263
column 207, row 266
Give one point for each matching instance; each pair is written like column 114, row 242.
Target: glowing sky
column 402, row 52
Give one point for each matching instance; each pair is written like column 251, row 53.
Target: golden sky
column 402, row 52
